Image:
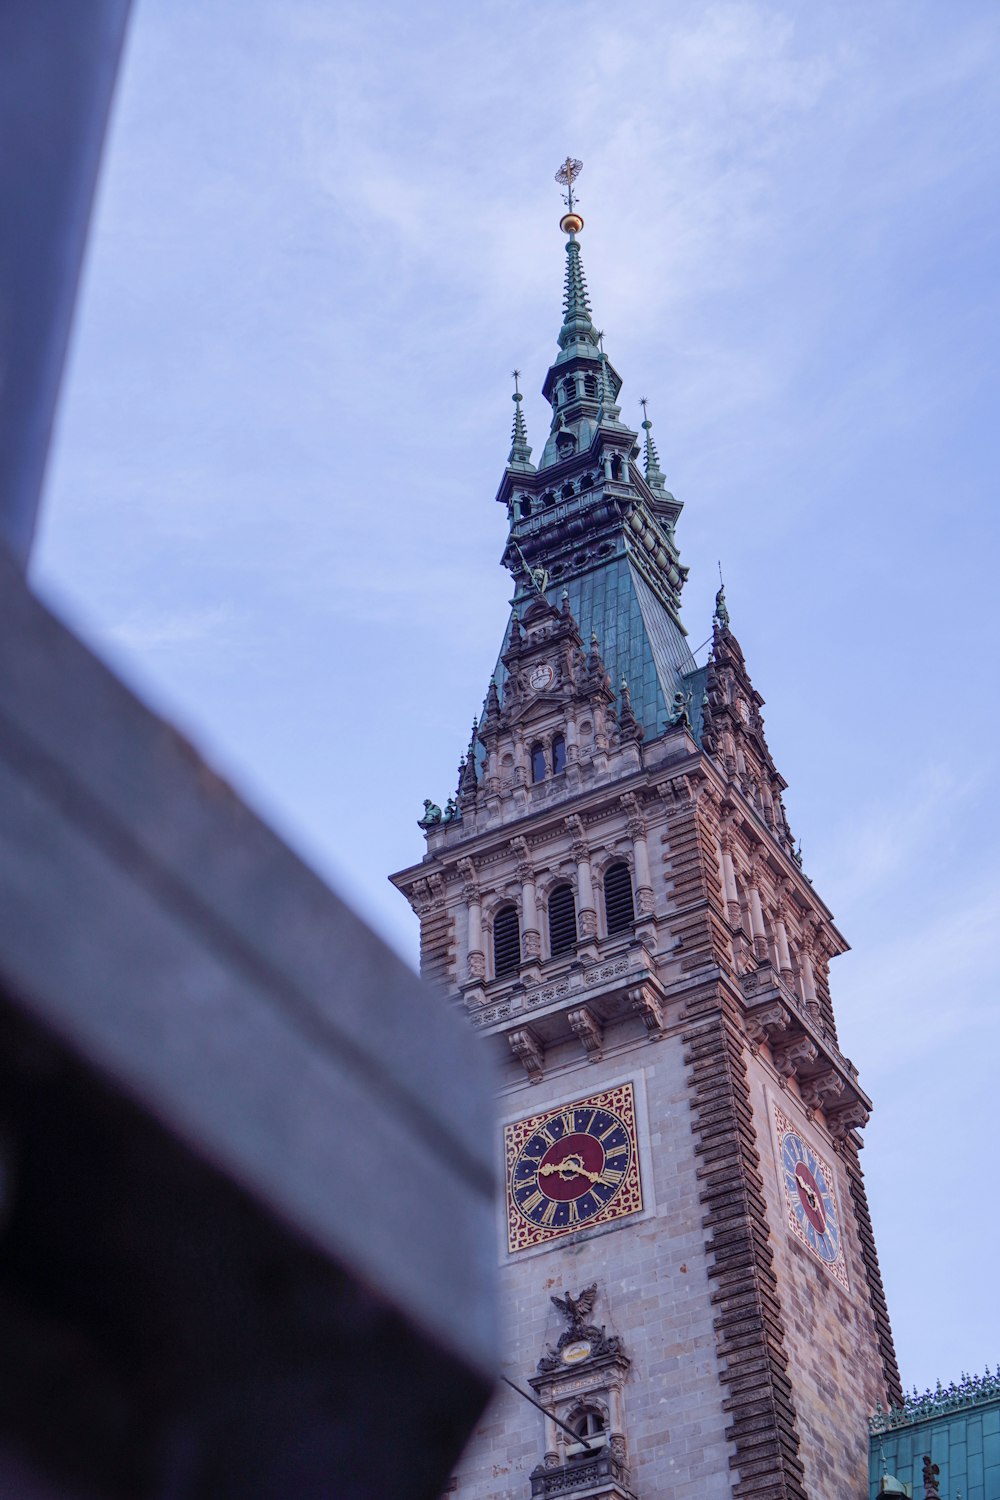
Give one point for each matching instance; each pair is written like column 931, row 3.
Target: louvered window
column 506, row 942
column 562, row 921
column 618, row 898
column 558, row 755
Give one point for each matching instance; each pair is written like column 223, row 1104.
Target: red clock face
column 810, row 1196
column 576, row 1163
column 813, row 1214
column 571, row 1168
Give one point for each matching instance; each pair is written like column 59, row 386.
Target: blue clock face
column 570, row 1168
column 810, row 1198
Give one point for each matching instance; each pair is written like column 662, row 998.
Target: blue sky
column 325, row 235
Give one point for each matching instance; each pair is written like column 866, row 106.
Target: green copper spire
column 577, row 324
column 655, row 477
column 520, row 453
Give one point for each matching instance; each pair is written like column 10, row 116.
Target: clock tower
column 690, row 1289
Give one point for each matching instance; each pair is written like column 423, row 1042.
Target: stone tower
column 690, row 1287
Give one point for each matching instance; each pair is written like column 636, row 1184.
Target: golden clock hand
column 568, row 1164
column 811, row 1194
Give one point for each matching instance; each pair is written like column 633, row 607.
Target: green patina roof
column 636, row 636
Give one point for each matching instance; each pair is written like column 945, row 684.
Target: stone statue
column 678, row 713
column 432, row 814
column 931, row 1472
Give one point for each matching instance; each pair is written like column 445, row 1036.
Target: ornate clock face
column 571, row 1168
column 813, row 1215
column 540, row 676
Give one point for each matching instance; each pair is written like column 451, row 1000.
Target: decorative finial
column 571, row 223
column 520, row 453
column 654, row 474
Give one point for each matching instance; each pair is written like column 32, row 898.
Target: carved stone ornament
column 846, row 1118
column 528, row 1049
column 930, row 1478
column 788, row 1059
column 765, row 1022
column 587, row 923
column 646, row 1003
column 581, row 1340
column 823, row 1089
column 588, row 1029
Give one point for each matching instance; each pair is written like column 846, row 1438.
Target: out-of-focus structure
column 246, row 1223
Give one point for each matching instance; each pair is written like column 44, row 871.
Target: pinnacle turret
column 655, row 477
column 520, row 453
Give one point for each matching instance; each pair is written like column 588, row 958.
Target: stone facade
column 743, row 1337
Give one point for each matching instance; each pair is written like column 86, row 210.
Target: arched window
column 591, row 1427
column 569, row 390
column 506, row 942
column 616, row 467
column 538, row 762
column 590, row 386
column 525, row 507
column 589, row 1423
column 558, row 755
column 562, row 921
column 618, row 906
column 567, row 491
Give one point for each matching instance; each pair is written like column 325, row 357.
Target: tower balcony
column 578, row 1002
column 803, row 1050
column 598, row 1477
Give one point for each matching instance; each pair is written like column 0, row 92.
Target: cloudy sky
column 325, row 235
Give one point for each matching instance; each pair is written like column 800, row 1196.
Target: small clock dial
column 572, row 1167
column 813, row 1214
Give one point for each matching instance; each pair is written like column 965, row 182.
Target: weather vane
column 571, row 222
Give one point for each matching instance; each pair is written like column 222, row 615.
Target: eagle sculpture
column 577, row 1309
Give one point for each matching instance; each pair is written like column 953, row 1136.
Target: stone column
column 476, row 957
column 809, row 972
column 586, row 909
column 643, row 879
column 531, row 941
column 729, row 881
column 758, row 931
column 781, row 941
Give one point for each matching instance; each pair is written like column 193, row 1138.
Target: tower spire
column 578, row 325
column 520, row 452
